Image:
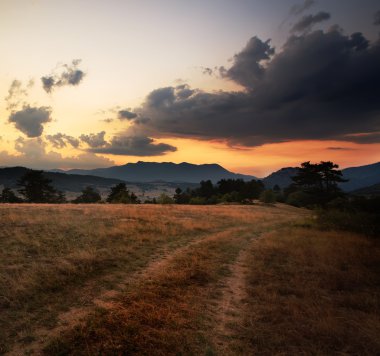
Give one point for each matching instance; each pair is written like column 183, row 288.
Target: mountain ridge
column 164, row 171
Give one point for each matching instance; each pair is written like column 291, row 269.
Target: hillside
column 166, row 171
column 358, row 177
column 61, row 181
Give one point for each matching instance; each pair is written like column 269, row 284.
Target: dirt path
column 106, row 298
column 229, row 311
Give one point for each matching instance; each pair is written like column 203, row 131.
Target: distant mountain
column 61, row 181
column 282, row 178
column 166, row 171
column 358, row 177
column 371, row 191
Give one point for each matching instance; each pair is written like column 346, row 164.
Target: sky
column 252, row 85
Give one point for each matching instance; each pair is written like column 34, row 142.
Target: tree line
column 313, row 185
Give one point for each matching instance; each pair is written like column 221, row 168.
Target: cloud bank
column 322, row 85
column 33, row 153
column 127, row 145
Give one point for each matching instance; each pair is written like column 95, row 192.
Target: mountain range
column 145, row 177
column 166, row 171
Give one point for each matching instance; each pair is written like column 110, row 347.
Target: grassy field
column 161, row 280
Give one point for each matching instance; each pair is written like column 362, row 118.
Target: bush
column 165, row 199
column 268, row 197
column 197, row 201
column 299, row 199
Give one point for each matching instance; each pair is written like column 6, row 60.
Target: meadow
column 184, row 280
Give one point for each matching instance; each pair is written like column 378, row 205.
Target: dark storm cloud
column 307, row 22
column 30, row 120
column 133, row 146
column 126, row 115
column 69, row 75
column 377, row 18
column 321, row 85
column 248, row 66
column 298, row 9
column 60, row 140
column 94, row 140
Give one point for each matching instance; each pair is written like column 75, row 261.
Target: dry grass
column 313, row 293
column 307, row 291
column 59, row 258
column 163, row 316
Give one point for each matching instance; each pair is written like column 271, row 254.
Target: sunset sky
column 254, row 85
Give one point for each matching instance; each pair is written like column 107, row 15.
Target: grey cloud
column 108, row 120
column 30, row 120
column 60, row 140
column 94, row 140
column 322, row 85
column 126, row 115
column 248, row 68
column 16, row 94
column 376, row 21
column 364, row 138
column 207, row 70
column 69, row 75
column 134, row 146
column 308, row 21
column 298, row 9
column 340, row 149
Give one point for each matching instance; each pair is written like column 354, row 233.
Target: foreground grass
column 163, row 316
column 305, row 291
column 313, row 293
column 56, row 258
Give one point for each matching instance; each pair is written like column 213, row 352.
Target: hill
column 165, row 171
column 361, row 177
column 60, row 181
column 358, row 177
column 282, row 178
column 373, row 190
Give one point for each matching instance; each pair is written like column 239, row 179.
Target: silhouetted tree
column 8, row 196
column 120, row 194
column 181, row 197
column 89, row 195
column 36, row 188
column 318, row 182
column 206, row 189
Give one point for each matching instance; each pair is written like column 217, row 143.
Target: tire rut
column 228, row 313
column 108, row 298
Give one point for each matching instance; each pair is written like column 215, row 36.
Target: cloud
column 298, row 9
column 207, row 71
column 94, row 140
column 60, row 140
column 341, row 149
column 308, row 21
column 376, row 21
column 68, row 75
column 126, row 115
column 32, row 153
column 321, row 85
column 133, row 146
column 248, row 65
column 17, row 94
column 30, row 120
